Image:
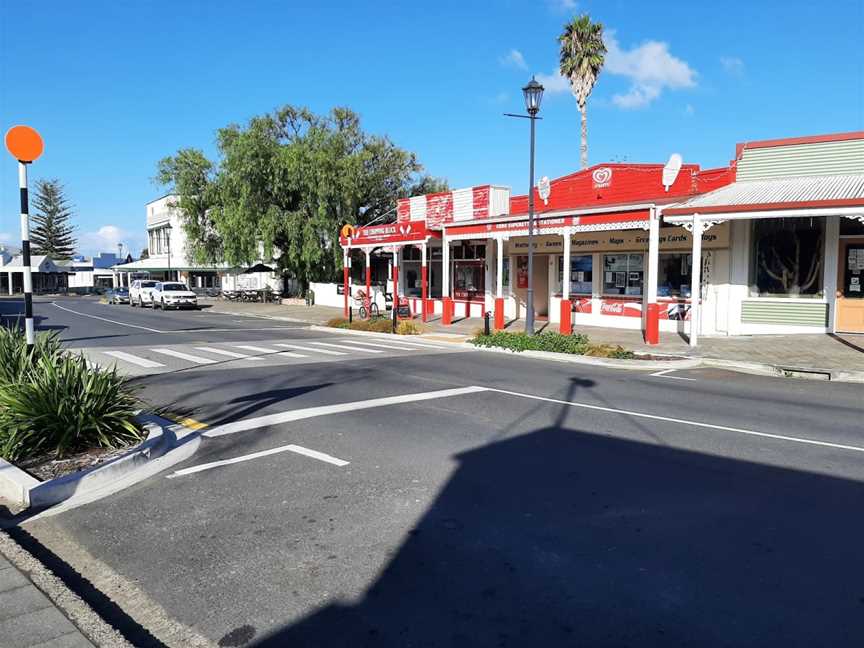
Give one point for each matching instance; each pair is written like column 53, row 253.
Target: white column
column 696, row 278
column 398, row 281
column 565, row 278
column 830, row 267
column 653, row 258
column 113, row 279
column 445, row 267
column 499, row 270
column 9, row 274
column 128, row 279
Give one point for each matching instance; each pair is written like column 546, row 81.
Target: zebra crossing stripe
column 133, row 359
column 228, row 354
column 258, row 349
column 389, row 345
column 184, row 356
column 347, row 348
column 305, row 348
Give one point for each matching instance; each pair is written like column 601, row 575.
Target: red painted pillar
column 423, row 289
column 565, row 327
column 652, row 324
column 345, row 288
column 369, row 281
column 499, row 313
column 446, row 311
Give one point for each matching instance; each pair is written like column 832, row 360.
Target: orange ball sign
column 348, row 231
column 24, row 143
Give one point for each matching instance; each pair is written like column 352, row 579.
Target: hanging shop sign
column 671, row 239
column 412, row 232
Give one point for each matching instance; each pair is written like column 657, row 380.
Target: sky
column 114, row 86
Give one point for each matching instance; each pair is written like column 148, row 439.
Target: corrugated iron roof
column 777, row 191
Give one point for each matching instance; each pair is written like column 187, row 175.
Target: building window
column 674, row 272
column 851, row 227
column 581, row 274
column 786, row 257
column 623, row 274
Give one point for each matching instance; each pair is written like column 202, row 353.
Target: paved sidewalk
column 29, row 618
column 834, row 354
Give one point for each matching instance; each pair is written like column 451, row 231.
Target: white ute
column 172, row 294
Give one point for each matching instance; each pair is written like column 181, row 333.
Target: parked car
column 171, row 294
column 140, row 293
column 118, row 295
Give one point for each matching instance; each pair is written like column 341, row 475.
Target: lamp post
column 168, row 242
column 533, row 93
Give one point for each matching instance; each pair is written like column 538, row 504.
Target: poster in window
column 620, row 279
column 522, row 272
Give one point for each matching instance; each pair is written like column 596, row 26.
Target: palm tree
column 582, row 56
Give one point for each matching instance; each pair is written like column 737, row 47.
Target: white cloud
column 732, row 64
column 562, row 6
column 5, row 237
column 651, row 69
column 106, row 238
column 514, row 59
column 553, row 83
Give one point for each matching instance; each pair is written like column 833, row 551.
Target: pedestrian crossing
column 218, row 355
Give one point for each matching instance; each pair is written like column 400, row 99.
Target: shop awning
column 799, row 196
column 597, row 222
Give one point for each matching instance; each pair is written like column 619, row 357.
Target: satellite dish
column 544, row 188
column 670, row 171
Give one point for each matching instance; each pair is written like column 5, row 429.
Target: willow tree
column 582, row 55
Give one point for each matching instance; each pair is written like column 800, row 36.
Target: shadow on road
column 565, row 537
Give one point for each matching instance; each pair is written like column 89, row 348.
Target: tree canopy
column 52, row 234
column 283, row 186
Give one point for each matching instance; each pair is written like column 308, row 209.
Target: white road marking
column 184, row 356
column 228, row 354
column 133, row 359
column 389, row 345
column 669, row 419
column 258, row 349
column 340, row 408
column 423, row 345
column 264, row 453
column 665, row 374
column 181, row 331
column 105, row 319
column 310, row 349
column 345, row 347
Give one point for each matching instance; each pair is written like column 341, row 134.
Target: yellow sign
column 348, row 231
column 671, row 239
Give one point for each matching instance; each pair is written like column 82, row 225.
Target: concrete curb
column 164, row 437
column 786, row 371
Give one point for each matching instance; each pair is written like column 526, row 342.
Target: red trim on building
column 804, row 204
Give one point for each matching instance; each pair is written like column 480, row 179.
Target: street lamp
column 533, row 93
column 168, row 241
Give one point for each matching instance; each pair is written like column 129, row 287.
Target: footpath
column 38, row 610
column 819, row 356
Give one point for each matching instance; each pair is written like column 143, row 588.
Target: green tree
column 582, row 55
column 285, row 184
column 51, row 234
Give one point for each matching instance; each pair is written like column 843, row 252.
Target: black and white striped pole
column 25, row 145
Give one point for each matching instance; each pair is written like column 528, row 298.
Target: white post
column 499, row 269
column 651, row 313
column 10, row 282
column 397, row 280
column 27, row 273
column 445, row 267
column 696, row 278
column 113, row 279
column 565, row 279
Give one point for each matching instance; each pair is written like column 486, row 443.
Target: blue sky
column 114, row 86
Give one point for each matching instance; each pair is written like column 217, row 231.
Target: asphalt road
column 441, row 497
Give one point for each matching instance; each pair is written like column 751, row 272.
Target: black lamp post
column 168, row 242
column 533, row 96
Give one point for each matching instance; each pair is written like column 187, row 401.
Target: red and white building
column 613, row 246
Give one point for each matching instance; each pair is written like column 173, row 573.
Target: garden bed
column 551, row 342
column 48, row 466
column 377, row 325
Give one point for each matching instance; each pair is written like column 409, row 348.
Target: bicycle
column 366, row 307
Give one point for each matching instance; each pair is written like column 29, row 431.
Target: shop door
column 850, row 287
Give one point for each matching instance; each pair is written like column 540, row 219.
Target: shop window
column 674, row 272
column 468, row 251
column 623, row 274
column 851, row 227
column 581, row 274
column 786, row 257
column 411, row 253
column 505, row 274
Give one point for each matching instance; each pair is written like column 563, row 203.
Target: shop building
column 614, row 245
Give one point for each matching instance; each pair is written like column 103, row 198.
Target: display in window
column 581, row 273
column 787, row 257
column 623, row 274
column 521, row 271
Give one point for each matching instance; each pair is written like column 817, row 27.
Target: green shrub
column 56, row 403
column 15, row 360
column 609, row 351
column 555, row 342
column 376, row 325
